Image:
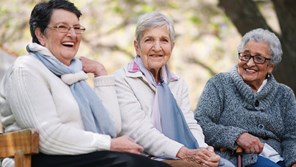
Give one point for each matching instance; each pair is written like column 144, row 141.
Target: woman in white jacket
column 154, row 103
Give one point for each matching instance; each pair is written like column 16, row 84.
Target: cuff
column 104, row 142
column 106, row 80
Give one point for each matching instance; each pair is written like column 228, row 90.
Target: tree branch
column 203, row 65
column 245, row 15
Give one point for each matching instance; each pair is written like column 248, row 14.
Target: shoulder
column 120, row 76
column 28, row 67
column 220, row 79
column 126, row 72
column 119, row 73
column 21, row 64
column 279, row 88
column 285, row 88
column 27, row 62
column 286, row 91
column 176, row 80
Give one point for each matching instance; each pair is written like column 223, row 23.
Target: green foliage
column 205, row 44
column 146, row 8
column 195, row 20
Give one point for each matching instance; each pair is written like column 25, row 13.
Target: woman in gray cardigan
column 246, row 107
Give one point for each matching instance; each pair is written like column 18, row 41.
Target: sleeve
column 289, row 134
column 185, row 106
column 32, row 104
column 105, row 89
column 208, row 112
column 137, row 123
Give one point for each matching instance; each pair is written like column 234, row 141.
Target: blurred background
column 208, row 32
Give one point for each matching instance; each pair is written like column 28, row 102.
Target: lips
column 155, row 55
column 68, row 44
column 250, row 70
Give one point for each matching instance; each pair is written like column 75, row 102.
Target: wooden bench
column 239, row 155
column 19, row 145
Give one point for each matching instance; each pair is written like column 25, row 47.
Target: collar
column 262, row 85
column 133, row 70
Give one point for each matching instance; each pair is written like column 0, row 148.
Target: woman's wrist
column 100, row 72
column 182, row 153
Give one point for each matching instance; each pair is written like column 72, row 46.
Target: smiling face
column 254, row 74
column 63, row 46
column 155, row 49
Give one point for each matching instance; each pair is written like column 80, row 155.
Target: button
column 261, row 126
column 256, row 103
column 265, row 138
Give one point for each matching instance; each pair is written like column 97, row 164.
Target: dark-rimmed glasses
column 258, row 59
column 63, row 28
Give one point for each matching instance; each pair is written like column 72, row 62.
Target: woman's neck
column 156, row 75
column 256, row 86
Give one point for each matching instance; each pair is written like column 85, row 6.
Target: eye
column 148, row 40
column 77, row 28
column 164, row 40
column 246, row 56
column 259, row 58
column 62, row 27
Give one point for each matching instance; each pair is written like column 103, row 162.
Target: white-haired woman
column 154, row 102
column 247, row 107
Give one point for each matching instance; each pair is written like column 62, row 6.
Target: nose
column 157, row 46
column 72, row 32
column 251, row 62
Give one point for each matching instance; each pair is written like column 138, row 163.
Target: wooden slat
column 1, row 127
column 21, row 160
column 24, row 141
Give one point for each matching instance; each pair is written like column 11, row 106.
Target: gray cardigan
column 229, row 107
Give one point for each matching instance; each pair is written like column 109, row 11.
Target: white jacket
column 135, row 98
column 31, row 96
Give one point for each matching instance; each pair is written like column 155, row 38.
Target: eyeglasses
column 63, row 28
column 258, row 59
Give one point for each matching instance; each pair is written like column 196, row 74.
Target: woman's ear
column 137, row 47
column 40, row 36
column 173, row 45
column 270, row 68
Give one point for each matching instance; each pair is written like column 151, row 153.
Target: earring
column 268, row 75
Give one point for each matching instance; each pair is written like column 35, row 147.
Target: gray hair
column 261, row 35
column 152, row 20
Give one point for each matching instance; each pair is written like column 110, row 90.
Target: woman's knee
column 135, row 160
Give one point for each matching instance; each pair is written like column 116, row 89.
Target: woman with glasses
column 46, row 90
column 248, row 108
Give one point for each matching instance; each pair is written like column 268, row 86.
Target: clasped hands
column 203, row 155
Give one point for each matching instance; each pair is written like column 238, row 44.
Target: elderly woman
column 248, row 108
column 154, row 102
column 46, row 90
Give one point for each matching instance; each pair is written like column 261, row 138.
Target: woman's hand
column 125, row 144
column 91, row 66
column 251, row 144
column 204, row 155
